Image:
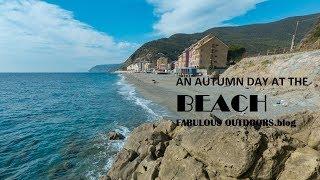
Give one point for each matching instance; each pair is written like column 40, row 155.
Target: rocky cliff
column 164, row 151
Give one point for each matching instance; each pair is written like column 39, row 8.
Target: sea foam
column 128, row 91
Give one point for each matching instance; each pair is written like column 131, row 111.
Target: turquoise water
column 54, row 126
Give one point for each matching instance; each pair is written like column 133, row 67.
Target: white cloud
column 188, row 16
column 38, row 36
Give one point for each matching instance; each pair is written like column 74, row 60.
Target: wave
column 108, row 152
column 128, row 91
column 116, row 145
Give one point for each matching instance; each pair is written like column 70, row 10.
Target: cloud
column 188, row 16
column 38, row 36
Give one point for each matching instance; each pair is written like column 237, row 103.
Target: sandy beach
column 165, row 92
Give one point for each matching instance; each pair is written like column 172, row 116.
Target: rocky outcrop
column 164, row 151
column 143, row 151
column 178, row 164
column 303, row 163
column 115, row 136
column 276, row 148
column 229, row 151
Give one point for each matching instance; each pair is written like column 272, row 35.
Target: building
column 143, row 66
column 207, row 52
column 146, row 66
column 162, row 64
column 183, row 59
column 130, row 67
column 136, row 67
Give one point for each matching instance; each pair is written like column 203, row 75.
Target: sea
column 55, row 125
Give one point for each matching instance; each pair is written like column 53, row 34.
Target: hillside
column 255, row 38
column 300, row 64
column 104, row 68
column 312, row 39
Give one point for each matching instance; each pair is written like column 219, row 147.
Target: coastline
column 165, row 92
column 168, row 150
column 149, row 90
column 131, row 91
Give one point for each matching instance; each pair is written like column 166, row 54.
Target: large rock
column 145, row 136
column 303, row 164
column 165, row 126
column 148, row 169
column 178, row 165
column 314, row 139
column 141, row 156
column 115, row 136
column 307, row 127
column 160, row 151
column 230, row 151
column 276, row 149
column 125, row 164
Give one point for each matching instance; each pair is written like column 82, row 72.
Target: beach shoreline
column 162, row 89
column 167, row 149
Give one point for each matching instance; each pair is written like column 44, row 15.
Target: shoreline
column 153, row 108
column 148, row 91
column 164, row 92
column 166, row 150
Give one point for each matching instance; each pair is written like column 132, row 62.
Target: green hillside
column 312, row 40
column 254, row 38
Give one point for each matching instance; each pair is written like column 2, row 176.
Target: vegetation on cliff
column 312, row 39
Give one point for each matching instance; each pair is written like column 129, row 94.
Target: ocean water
column 55, row 125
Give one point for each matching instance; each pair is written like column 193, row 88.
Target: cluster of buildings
column 161, row 66
column 143, row 66
column 209, row 53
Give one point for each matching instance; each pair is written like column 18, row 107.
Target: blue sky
column 73, row 35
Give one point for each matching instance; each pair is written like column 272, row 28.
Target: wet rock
column 303, row 164
column 115, row 136
column 230, row 151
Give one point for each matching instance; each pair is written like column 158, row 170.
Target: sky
column 74, row 35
